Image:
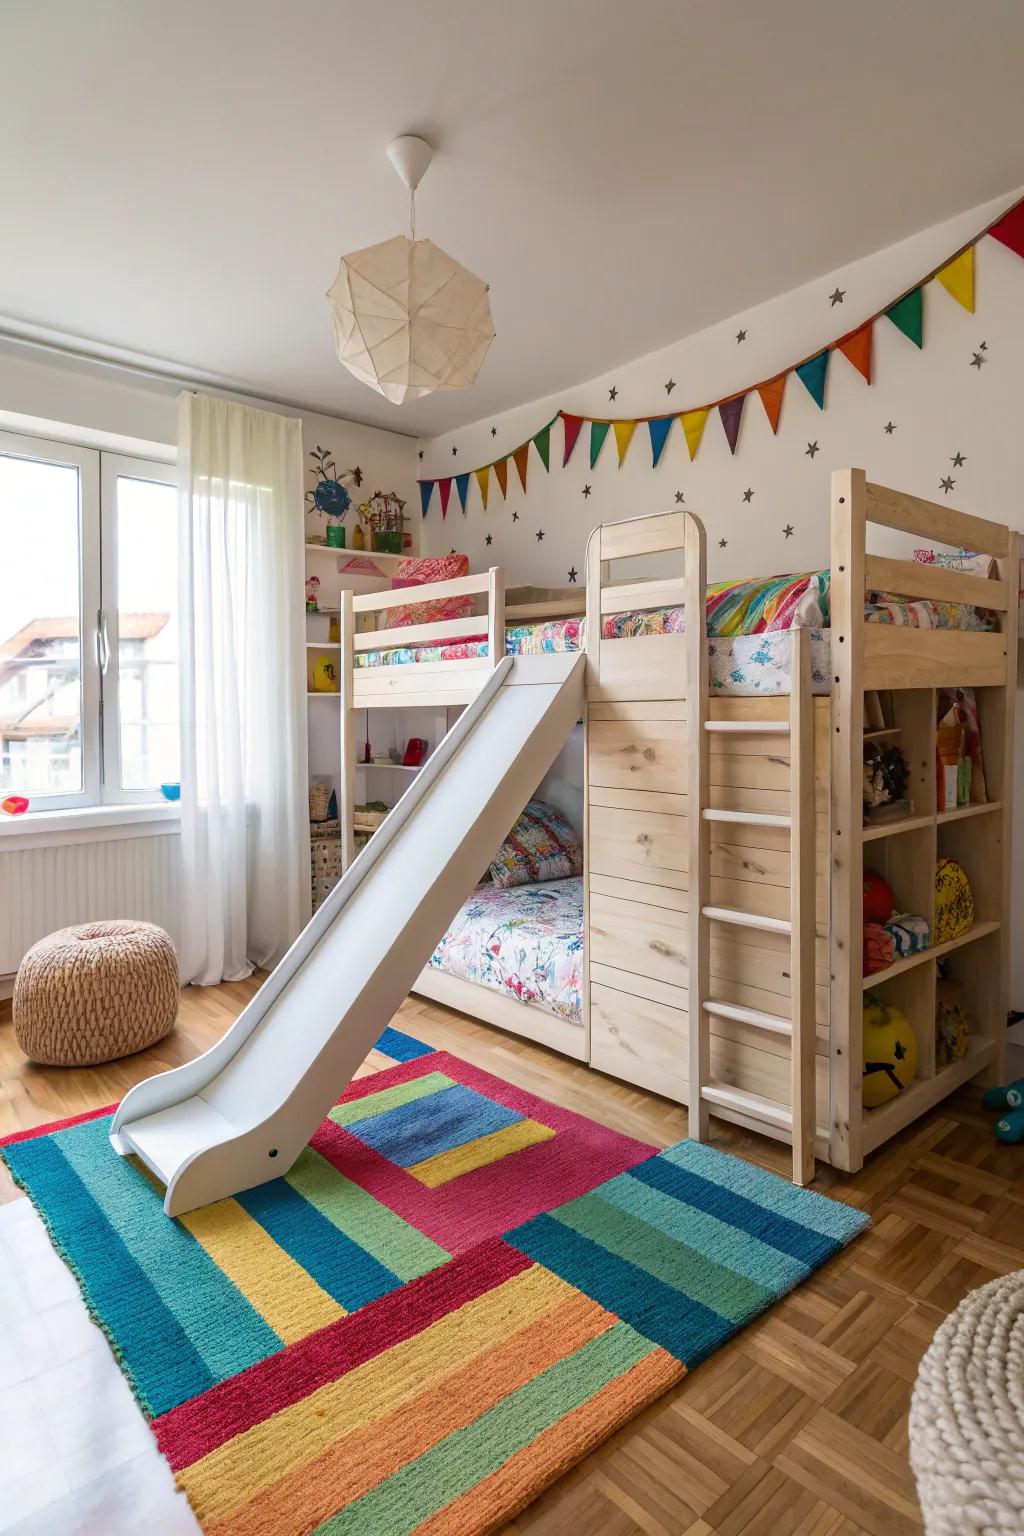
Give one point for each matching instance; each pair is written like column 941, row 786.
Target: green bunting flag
column 907, row 315
column 542, row 443
column 598, row 433
column 812, row 375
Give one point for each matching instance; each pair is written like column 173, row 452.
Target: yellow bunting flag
column 520, row 457
column 483, row 478
column 693, row 429
column 501, row 475
column 623, row 434
column 958, row 278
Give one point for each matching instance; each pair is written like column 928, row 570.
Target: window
column 88, row 625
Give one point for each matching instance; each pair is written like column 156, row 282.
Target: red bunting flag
column 501, row 475
column 771, row 398
column 1010, row 230
column 446, row 490
column 857, row 350
column 520, row 457
column 573, row 426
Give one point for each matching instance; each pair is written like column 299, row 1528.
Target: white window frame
column 100, row 725
column 112, row 467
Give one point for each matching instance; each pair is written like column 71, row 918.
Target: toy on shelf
column 879, row 904
column 886, row 776
column 416, row 749
column 384, row 516
column 312, row 588
column 14, row 805
column 1010, row 1125
column 954, row 901
column 319, row 800
column 952, row 1026
column 329, row 494
column 959, row 764
column 888, row 935
column 890, row 1051
column 325, row 675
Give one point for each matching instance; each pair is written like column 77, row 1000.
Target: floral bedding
column 526, row 943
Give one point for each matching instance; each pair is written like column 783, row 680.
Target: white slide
column 241, row 1113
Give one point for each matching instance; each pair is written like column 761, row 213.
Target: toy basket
column 319, row 801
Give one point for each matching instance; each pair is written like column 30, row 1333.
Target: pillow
column 541, row 846
column 957, row 560
column 768, row 603
column 418, row 573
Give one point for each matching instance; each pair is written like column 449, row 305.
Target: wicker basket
column 319, row 801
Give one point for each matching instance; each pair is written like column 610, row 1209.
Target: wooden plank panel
column 637, row 799
column 638, row 667
column 941, row 525
column 438, row 632
column 639, row 845
column 638, row 1040
column 894, row 657
column 629, row 596
column 637, row 754
column 642, row 535
column 636, row 937
column 459, row 586
column 910, row 578
column 671, row 896
column 637, row 709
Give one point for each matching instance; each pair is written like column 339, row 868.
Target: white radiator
column 51, row 887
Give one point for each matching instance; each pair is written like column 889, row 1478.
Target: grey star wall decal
column 748, row 494
column 494, row 431
column 586, row 490
column 722, row 543
column 540, row 534
column 421, row 453
column 977, row 359
column 889, row 428
column 983, row 345
column 680, row 497
column 837, row 297
column 811, row 450
column 454, row 450
column 788, row 530
column 670, row 386
column 572, row 573
column 946, row 484
column 489, row 539
column 958, row 459
column 613, row 393
column 740, row 336
column 515, row 517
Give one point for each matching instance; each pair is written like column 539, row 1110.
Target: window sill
column 89, row 824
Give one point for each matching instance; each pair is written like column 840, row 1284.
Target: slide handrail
column 156, row 1093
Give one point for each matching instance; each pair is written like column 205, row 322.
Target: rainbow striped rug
column 455, row 1294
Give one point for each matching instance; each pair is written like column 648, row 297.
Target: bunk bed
column 765, row 736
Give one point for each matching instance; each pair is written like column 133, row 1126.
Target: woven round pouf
column 95, row 992
column 967, row 1417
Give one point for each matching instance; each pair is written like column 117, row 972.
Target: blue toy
column 1010, row 1126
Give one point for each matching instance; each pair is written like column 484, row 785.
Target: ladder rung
column 749, row 818
column 748, row 919
column 769, row 1021
column 749, row 727
column 751, row 1104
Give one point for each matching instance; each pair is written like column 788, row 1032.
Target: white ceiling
column 180, row 179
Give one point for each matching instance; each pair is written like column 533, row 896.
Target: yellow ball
column 325, row 676
column 890, row 1053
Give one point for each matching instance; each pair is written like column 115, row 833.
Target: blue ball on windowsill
column 171, row 791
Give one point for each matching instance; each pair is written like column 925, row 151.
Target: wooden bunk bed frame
column 778, row 843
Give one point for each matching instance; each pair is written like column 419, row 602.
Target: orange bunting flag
column 520, row 457
column 483, row 477
column 958, row 278
column 623, row 436
column 857, row 350
column 693, row 429
column 501, row 475
column 771, row 398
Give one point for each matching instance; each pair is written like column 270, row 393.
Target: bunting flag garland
column 623, row 436
column 957, row 277
column 812, row 376
column 857, row 349
column 731, row 412
column 771, row 398
column 500, row 467
column 572, row 426
column 659, row 428
column 598, row 433
column 907, row 315
column 693, row 429
column 956, row 274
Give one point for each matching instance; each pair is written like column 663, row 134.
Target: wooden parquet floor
column 798, row 1427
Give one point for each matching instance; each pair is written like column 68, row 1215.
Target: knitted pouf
column 95, row 992
column 967, row 1417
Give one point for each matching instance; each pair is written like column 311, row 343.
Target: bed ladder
column 796, row 1123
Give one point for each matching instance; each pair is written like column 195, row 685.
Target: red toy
column 878, row 898
column 416, row 750
column 14, row 805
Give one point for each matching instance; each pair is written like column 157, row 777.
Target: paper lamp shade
column 408, row 319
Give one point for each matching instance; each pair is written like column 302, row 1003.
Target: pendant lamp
column 408, row 318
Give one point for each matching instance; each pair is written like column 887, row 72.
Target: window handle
column 102, row 643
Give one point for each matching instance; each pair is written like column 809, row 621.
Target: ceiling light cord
column 412, row 214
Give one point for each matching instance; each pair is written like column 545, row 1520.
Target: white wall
column 941, row 406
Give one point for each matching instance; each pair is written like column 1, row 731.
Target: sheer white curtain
column 244, row 828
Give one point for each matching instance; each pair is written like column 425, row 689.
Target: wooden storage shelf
column 924, row 1093
column 322, row 693
column 979, row 931
column 875, row 830
column 964, row 812
column 323, row 645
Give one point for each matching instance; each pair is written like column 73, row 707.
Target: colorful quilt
column 526, row 943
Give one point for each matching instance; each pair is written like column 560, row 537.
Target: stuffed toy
column 1010, row 1125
